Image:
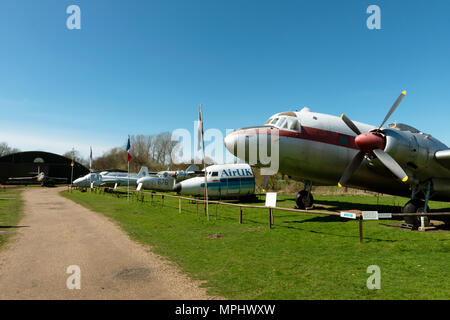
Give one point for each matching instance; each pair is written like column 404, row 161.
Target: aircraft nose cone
column 230, row 142
column 177, row 187
column 369, row 141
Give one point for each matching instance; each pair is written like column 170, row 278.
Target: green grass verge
column 11, row 211
column 304, row 256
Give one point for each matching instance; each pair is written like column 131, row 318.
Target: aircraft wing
column 22, row 178
column 443, row 157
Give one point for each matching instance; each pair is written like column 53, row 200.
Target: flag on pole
column 200, row 129
column 90, row 159
column 128, row 150
column 128, row 160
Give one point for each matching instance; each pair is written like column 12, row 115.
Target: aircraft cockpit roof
column 403, row 127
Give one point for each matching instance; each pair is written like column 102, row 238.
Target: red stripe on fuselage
column 308, row 133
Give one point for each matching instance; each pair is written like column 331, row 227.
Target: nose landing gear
column 416, row 205
column 304, row 198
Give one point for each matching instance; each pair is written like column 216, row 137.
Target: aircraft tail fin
column 143, row 172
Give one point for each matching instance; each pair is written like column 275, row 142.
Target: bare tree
column 5, row 149
column 76, row 156
column 153, row 151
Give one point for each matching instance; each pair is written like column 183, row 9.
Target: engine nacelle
column 409, row 149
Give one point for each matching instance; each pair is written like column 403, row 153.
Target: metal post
column 360, row 228
column 240, row 215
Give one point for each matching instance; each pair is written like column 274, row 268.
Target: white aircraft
column 110, row 178
column 328, row 150
column 224, row 181
column 41, row 177
column 165, row 180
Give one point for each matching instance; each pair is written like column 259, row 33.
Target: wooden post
column 162, row 200
column 270, row 218
column 273, row 219
column 196, row 202
column 151, row 200
column 240, row 215
column 360, row 228
column 179, row 205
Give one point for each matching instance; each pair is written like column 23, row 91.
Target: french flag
column 128, row 150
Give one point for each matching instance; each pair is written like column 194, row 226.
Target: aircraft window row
column 285, row 122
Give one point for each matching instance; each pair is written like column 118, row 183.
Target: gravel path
column 56, row 233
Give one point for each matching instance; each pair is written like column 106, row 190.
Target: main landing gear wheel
column 304, row 200
column 414, row 206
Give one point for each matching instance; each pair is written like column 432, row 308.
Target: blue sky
column 142, row 67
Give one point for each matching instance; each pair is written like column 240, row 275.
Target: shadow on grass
column 13, row 227
column 343, row 205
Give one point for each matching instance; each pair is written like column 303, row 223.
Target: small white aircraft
column 41, row 177
column 165, row 180
column 328, row 150
column 110, row 178
column 224, row 181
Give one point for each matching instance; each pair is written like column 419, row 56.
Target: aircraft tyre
column 414, row 206
column 304, row 201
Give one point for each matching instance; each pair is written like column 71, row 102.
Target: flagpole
column 205, row 193
column 206, row 180
column 71, row 173
column 90, row 169
column 128, row 161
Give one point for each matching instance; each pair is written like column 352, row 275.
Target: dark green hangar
column 28, row 164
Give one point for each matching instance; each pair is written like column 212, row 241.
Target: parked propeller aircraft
column 110, row 178
column 41, row 177
column 328, row 150
column 224, row 181
column 165, row 180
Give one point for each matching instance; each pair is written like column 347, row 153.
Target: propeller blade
column 391, row 164
column 266, row 181
column 350, row 124
column 351, row 168
column 394, row 106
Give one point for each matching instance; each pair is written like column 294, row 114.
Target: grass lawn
column 304, row 256
column 10, row 213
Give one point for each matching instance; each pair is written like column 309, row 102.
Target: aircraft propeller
column 372, row 143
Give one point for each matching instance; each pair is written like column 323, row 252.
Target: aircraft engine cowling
column 404, row 148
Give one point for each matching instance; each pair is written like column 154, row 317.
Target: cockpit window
column 285, row 122
column 281, row 122
column 294, row 125
column 215, row 174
